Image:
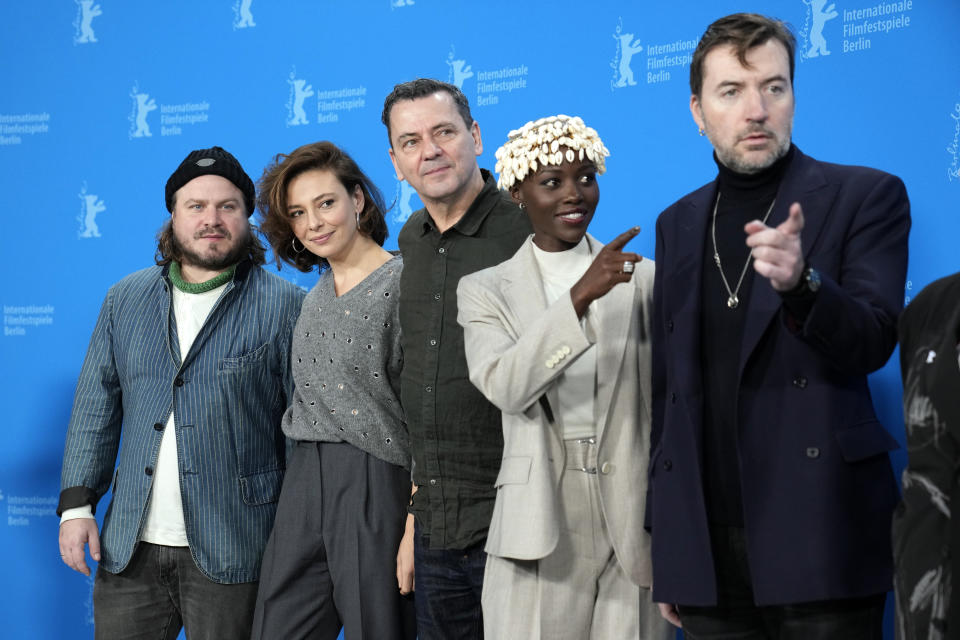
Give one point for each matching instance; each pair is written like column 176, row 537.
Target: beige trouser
column 579, row 591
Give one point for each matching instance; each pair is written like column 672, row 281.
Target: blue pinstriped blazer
column 228, row 394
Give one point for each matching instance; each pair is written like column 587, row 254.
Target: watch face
column 813, row 279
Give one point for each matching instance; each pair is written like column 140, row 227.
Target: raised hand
column 606, row 270
column 777, row 254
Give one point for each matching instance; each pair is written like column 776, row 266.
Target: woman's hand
column 606, row 270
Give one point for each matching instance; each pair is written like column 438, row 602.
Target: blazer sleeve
column 93, row 435
column 853, row 321
column 513, row 365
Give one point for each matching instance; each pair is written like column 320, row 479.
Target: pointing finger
column 621, row 240
column 794, row 222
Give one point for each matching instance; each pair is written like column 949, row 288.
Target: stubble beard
column 735, row 161
column 213, row 262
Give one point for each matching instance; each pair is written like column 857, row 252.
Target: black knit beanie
column 216, row 161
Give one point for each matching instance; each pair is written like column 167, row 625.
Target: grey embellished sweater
column 346, row 367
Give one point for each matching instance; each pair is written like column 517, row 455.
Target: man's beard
column 738, row 163
column 213, row 262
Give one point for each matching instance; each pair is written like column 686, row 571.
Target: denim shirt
column 227, row 394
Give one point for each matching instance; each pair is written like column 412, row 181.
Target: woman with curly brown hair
column 340, row 543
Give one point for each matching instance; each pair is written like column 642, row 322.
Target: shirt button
column 673, row 398
column 813, row 452
column 148, row 471
column 158, row 426
column 606, row 468
column 433, row 481
column 436, row 296
column 800, row 382
column 441, row 250
column 428, row 389
column 668, row 464
column 669, row 326
column 433, row 342
column 178, row 381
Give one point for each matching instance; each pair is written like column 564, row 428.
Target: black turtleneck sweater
column 742, row 198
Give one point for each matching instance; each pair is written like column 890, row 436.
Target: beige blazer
column 517, row 346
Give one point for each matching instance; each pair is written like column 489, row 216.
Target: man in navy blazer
column 777, row 290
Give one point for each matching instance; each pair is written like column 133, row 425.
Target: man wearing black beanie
column 177, row 411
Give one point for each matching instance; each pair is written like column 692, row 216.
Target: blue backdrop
column 102, row 100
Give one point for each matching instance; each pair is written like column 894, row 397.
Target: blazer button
column 158, row 426
column 148, row 471
column 668, row 464
column 606, row 468
column 178, row 382
column 813, row 452
column 550, row 363
column 565, row 350
column 670, row 326
column 800, row 382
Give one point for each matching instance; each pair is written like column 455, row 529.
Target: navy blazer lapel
column 805, row 183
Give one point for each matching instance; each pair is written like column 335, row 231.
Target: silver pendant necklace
column 732, row 300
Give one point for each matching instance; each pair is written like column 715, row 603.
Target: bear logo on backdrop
column 400, row 3
column 90, row 205
column 299, row 91
column 459, row 69
column 242, row 18
column 143, row 104
column 627, row 47
column 86, row 12
column 403, row 199
column 812, row 41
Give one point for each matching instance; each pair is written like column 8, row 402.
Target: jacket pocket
column 864, row 440
column 514, row 470
column 245, row 360
column 261, row 488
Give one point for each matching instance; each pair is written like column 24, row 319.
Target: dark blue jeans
column 448, row 583
column 162, row 590
column 736, row 617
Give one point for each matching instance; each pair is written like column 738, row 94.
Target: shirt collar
column 478, row 211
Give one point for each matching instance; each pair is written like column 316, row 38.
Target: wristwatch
column 811, row 277
column 808, row 284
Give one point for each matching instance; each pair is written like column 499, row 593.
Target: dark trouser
column 449, row 586
column 160, row 591
column 736, row 617
column 331, row 560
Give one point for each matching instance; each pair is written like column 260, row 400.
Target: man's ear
column 696, row 111
column 396, row 167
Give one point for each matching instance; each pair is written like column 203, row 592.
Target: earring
column 293, row 243
column 701, row 132
column 358, row 219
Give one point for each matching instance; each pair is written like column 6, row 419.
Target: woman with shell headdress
column 558, row 338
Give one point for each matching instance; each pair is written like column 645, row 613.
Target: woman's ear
column 515, row 194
